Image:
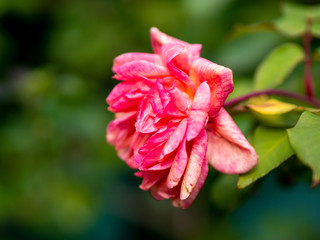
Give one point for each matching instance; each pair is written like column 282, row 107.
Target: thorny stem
column 308, row 81
column 278, row 92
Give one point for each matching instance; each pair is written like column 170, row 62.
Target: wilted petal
column 140, row 69
column 219, row 79
column 194, row 167
column 177, row 202
column 129, row 57
column 228, row 150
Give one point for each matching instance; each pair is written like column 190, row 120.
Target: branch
column 308, row 82
column 277, row 92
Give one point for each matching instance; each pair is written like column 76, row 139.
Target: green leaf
column 277, row 66
column 305, row 140
column 273, row 147
column 315, row 29
column 294, row 21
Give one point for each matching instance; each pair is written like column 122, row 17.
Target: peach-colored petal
column 193, row 170
column 129, row 57
column 180, row 98
column 219, row 79
column 140, row 69
column 169, row 53
column 228, row 150
column 177, row 202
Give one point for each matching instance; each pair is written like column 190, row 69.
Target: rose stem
column 278, row 92
column 308, row 82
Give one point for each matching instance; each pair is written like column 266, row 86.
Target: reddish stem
column 278, row 92
column 308, row 81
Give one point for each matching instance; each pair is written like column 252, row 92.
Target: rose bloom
column 169, row 120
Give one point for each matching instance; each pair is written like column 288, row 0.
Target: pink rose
column 169, row 121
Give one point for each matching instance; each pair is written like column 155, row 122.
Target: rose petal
column 196, row 123
column 175, row 139
column 194, row 167
column 118, row 91
column 129, row 57
column 138, row 140
column 202, row 98
column 177, row 202
column 140, row 69
column 145, row 118
column 121, row 123
column 219, row 79
column 178, row 166
column 228, row 150
column 180, row 99
column 158, row 39
column 161, row 191
column 184, row 59
column 150, row 178
column 128, row 102
column 169, row 53
column 161, row 165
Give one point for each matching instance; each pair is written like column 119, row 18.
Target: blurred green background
column 59, row 179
